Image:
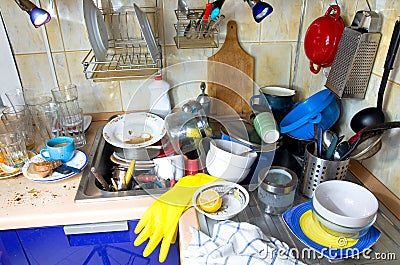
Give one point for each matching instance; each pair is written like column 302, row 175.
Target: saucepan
column 322, row 39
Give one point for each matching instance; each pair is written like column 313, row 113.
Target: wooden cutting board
column 231, row 73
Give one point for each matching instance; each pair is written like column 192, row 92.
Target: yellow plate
column 313, row 230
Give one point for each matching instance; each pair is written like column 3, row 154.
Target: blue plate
column 292, row 220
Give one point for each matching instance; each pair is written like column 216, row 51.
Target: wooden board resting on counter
column 231, row 73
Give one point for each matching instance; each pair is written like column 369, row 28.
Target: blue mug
column 59, row 148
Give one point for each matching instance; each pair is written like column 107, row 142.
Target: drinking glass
column 13, row 149
column 45, row 116
column 67, row 99
column 16, row 97
column 18, row 119
column 72, row 124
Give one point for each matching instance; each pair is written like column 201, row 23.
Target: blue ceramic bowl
column 321, row 108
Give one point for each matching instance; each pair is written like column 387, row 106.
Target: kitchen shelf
column 188, row 37
column 128, row 55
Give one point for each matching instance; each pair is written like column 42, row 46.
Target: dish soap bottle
column 159, row 100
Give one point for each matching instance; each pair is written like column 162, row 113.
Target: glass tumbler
column 13, row 149
column 19, row 119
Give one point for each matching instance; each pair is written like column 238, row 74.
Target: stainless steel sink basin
column 90, row 189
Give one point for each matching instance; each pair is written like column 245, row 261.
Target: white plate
column 79, row 161
column 96, row 28
column 234, row 199
column 147, row 33
column 3, row 176
column 122, row 128
column 87, row 119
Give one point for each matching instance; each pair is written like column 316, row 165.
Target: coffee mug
column 265, row 125
column 59, row 148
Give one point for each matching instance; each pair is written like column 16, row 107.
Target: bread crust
column 46, row 165
column 42, row 169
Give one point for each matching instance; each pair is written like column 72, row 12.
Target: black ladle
column 367, row 132
column 371, row 116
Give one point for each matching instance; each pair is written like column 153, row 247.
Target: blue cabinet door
column 49, row 246
column 11, row 252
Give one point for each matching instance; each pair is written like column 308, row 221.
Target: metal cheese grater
column 352, row 66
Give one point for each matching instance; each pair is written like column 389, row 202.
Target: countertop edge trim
column 384, row 195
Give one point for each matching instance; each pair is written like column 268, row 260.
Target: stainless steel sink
column 90, row 189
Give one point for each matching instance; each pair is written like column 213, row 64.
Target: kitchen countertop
column 25, row 203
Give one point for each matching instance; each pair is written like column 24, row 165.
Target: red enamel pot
column 322, row 39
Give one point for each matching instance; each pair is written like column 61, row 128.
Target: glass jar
column 277, row 189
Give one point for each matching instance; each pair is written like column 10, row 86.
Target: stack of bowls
column 225, row 160
column 344, row 209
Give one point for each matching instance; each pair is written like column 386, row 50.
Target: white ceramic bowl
column 223, row 161
column 234, row 199
column 345, row 203
column 342, row 231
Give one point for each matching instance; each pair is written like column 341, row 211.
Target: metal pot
column 322, row 39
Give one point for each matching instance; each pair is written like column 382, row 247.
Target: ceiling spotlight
column 260, row 9
column 37, row 15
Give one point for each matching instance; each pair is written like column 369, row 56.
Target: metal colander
column 352, row 66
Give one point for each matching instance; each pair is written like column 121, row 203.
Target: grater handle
column 390, row 57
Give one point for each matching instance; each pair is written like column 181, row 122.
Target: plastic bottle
column 159, row 99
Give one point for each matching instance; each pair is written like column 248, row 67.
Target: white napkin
column 236, row 243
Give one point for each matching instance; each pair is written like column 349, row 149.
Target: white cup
column 169, row 167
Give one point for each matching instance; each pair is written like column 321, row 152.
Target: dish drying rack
column 188, row 37
column 128, row 55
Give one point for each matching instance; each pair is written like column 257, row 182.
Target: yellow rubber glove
column 160, row 221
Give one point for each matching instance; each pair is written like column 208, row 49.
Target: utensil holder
column 317, row 170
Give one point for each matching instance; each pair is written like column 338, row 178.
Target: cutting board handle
column 231, row 33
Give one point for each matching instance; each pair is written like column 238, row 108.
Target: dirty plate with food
column 234, row 199
column 9, row 172
column 6, row 174
column 299, row 221
column 134, row 130
column 79, row 161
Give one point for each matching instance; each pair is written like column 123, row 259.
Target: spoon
column 331, row 148
column 341, row 149
column 372, row 116
column 327, row 138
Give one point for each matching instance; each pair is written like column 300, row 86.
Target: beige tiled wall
column 272, row 43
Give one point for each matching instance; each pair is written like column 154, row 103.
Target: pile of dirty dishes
column 344, row 209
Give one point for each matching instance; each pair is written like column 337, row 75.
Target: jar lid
column 277, row 179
